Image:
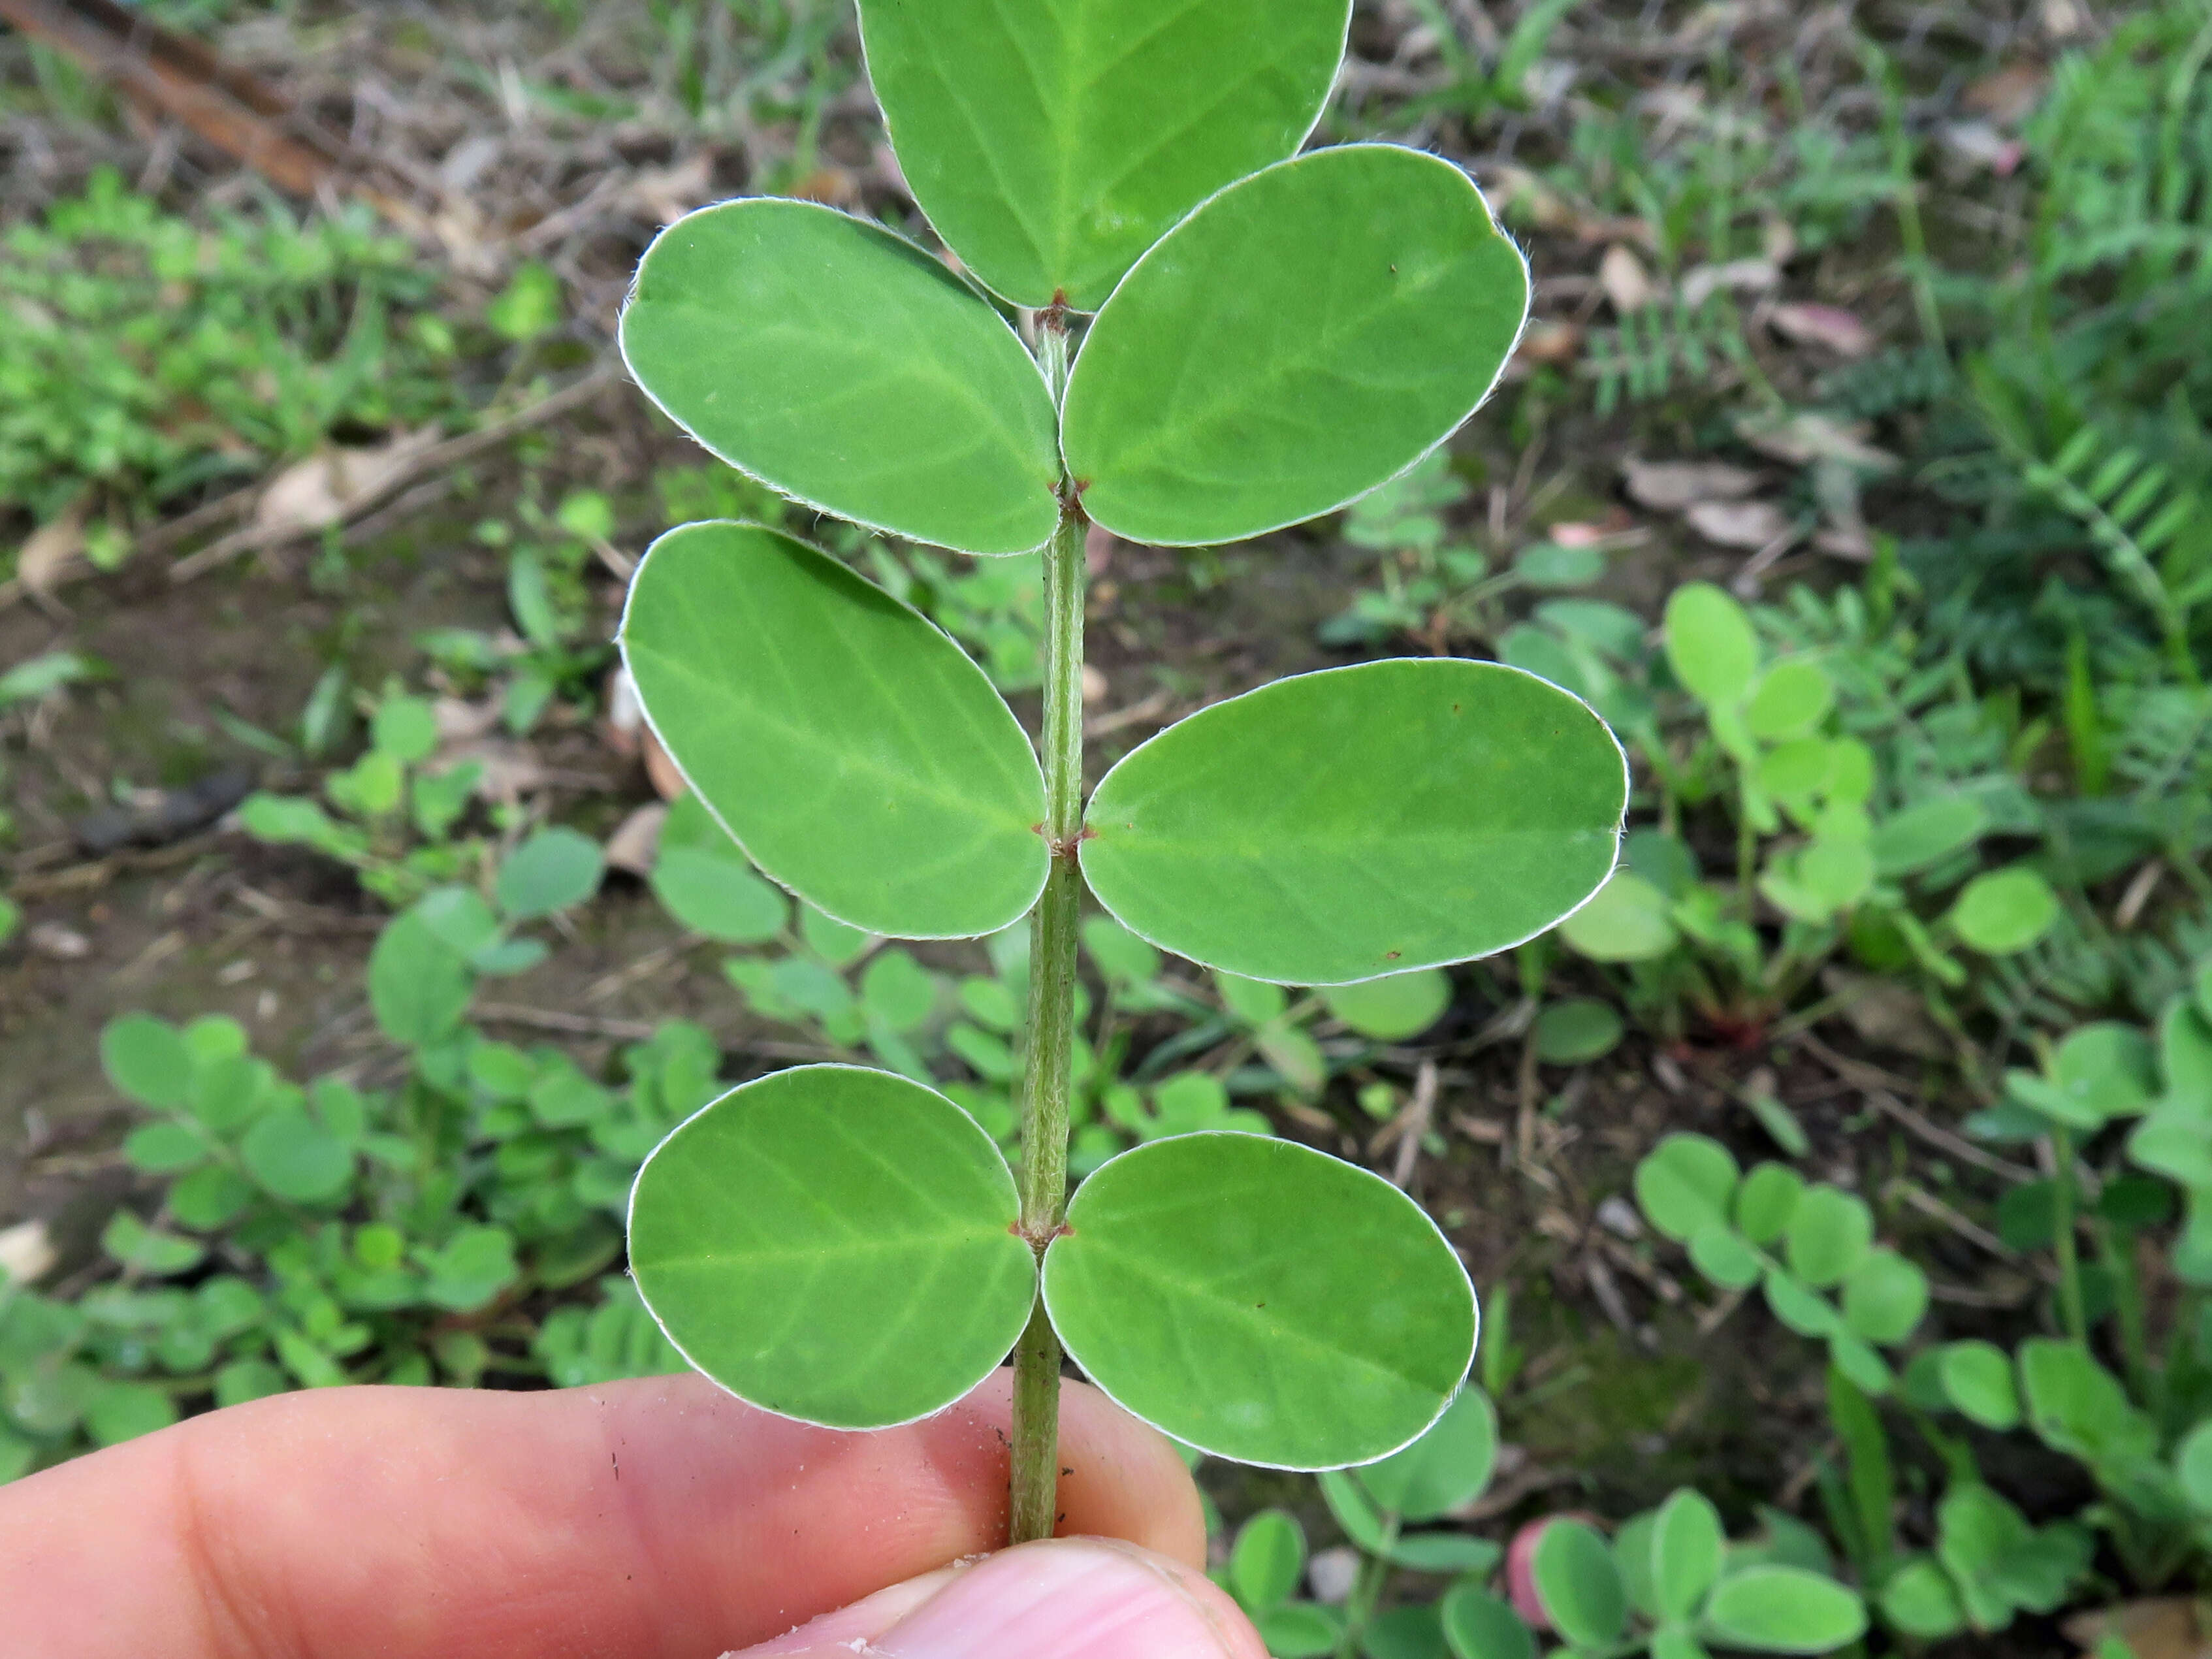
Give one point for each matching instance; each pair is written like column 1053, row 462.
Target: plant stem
column 1367, row 1590
column 1034, row 1475
column 2070, row 1305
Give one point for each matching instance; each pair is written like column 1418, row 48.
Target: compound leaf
column 841, row 365
column 1262, row 1301
column 1360, row 821
column 1052, row 142
column 854, row 752
column 833, row 1244
column 1307, row 333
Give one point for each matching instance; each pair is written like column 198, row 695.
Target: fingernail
column 1077, row 1598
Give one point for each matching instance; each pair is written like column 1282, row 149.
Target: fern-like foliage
column 2136, row 514
column 1641, row 358
column 1888, row 383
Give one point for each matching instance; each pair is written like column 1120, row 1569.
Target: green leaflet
column 1309, row 333
column 848, row 745
column 840, row 364
column 1362, row 820
column 833, row 1244
column 1051, row 142
column 1262, row 1301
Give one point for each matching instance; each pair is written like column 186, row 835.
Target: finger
column 656, row 1519
column 1076, row 1598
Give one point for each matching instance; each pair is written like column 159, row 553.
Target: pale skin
column 655, row 1519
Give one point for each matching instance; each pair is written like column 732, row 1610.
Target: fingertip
column 1072, row 1598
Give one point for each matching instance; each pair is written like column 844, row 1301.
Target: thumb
column 1069, row 1598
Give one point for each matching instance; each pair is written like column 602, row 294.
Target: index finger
column 654, row 1519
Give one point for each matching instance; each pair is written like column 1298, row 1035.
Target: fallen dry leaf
column 1548, row 343
column 1701, row 283
column 53, row 552
column 1522, row 196
column 1098, row 549
column 1829, row 327
column 313, row 493
column 1805, row 437
column 636, row 840
column 1627, row 286
column 26, row 1252
column 1979, row 144
column 625, row 717
column 1094, row 684
column 460, row 720
column 1884, row 1014
column 2010, row 95
column 666, row 194
column 2154, row 1627
column 832, row 185
column 510, row 771
column 884, row 162
column 1738, row 523
column 667, row 781
column 51, row 939
column 1674, row 486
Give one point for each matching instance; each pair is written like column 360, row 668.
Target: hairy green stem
column 1034, row 1476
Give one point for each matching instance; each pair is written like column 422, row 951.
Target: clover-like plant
column 1268, row 335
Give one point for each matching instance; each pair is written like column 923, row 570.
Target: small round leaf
column 296, row 1158
column 1710, row 645
column 1790, row 699
column 1576, row 1030
column 1977, row 1379
column 1579, row 1585
column 1687, row 1545
column 1830, row 1233
column 840, row 364
column 1629, row 920
column 1802, row 1310
column 1304, row 336
column 833, row 1244
column 1480, row 1626
column 418, row 989
column 1360, row 821
column 1270, row 1556
column 1725, row 1258
column 853, row 751
column 147, row 1060
column 2003, row 912
column 555, row 869
column 1685, row 1185
column 1782, row 1610
column 1051, row 145
column 1885, row 1296
column 701, row 878
column 1766, row 1200
column 1262, row 1301
column 1447, row 1467
column 1391, row 1008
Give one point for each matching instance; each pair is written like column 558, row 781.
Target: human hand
column 655, row 1519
